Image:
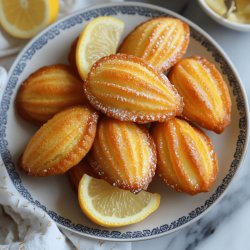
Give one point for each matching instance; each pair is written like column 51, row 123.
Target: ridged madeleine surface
column 185, row 156
column 47, row 91
column 160, row 41
column 61, row 143
column 126, row 88
column 76, row 173
column 205, row 94
column 124, row 154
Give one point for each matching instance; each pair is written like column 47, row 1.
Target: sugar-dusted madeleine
column 126, row 88
column 160, row 41
column 124, row 154
column 47, row 91
column 185, row 156
column 205, row 94
column 61, row 143
column 76, row 173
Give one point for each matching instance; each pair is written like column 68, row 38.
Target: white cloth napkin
column 23, row 225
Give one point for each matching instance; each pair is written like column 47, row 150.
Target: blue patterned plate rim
column 130, row 8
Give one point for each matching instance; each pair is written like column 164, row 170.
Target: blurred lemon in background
column 26, row 18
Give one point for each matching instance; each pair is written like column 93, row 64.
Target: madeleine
column 124, row 154
column 205, row 94
column 61, row 143
column 161, row 41
column 186, row 160
column 128, row 89
column 76, row 173
column 47, row 91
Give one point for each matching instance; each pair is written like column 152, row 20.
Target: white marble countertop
column 227, row 225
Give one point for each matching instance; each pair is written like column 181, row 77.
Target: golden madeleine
column 161, row 41
column 128, row 89
column 186, row 160
column 76, row 173
column 61, row 143
column 47, row 91
column 205, row 94
column 124, row 154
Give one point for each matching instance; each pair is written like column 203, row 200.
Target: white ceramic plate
column 54, row 194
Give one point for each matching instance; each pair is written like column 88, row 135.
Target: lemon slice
column 25, row 18
column 99, row 38
column 110, row 206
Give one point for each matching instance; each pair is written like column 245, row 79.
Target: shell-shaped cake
column 47, row 91
column 160, row 41
column 124, row 154
column 186, row 160
column 205, row 94
column 126, row 88
column 76, row 173
column 61, row 143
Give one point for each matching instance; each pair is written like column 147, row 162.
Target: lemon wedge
column 25, row 18
column 99, row 38
column 110, row 206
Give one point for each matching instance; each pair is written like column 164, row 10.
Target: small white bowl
column 223, row 21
